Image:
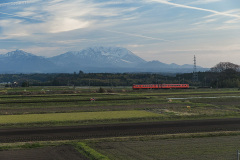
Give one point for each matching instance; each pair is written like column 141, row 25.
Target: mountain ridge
column 92, row 59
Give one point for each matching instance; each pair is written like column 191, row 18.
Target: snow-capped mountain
column 17, row 54
column 93, row 59
column 99, row 57
column 20, row 61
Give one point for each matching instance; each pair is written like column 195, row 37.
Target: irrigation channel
column 117, row 130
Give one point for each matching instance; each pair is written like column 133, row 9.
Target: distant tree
column 101, row 90
column 226, row 75
column 224, row 66
column 25, row 84
column 80, row 72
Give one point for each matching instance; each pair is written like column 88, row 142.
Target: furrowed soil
column 63, row 152
column 216, row 148
column 220, row 148
column 117, row 130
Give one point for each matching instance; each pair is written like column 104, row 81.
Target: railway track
column 117, row 130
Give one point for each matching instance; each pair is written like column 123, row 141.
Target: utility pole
column 237, row 154
column 195, row 74
column 89, row 84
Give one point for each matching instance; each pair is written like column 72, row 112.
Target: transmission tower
column 195, row 74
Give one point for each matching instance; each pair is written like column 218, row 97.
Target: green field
column 44, row 105
column 79, row 116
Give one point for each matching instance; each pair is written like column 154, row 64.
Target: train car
column 146, row 86
column 175, row 86
column 160, row 86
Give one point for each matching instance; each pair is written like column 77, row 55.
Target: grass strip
column 25, row 145
column 79, row 116
column 165, row 136
column 37, row 144
column 84, row 149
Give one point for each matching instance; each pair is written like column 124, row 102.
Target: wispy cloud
column 19, row 16
column 58, row 16
column 195, row 8
column 204, row 1
column 212, row 20
column 221, row 22
column 18, row 3
column 141, row 36
column 3, row 51
column 156, row 27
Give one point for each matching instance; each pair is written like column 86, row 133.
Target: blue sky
column 171, row 31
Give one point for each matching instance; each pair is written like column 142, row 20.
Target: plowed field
column 117, row 130
column 64, row 152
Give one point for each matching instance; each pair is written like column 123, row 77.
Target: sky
column 170, row 31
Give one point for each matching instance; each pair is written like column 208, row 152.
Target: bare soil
column 117, row 130
column 67, row 152
column 207, row 148
column 64, row 152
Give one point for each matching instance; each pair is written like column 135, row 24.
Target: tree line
column 223, row 75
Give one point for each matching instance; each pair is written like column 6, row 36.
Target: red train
column 160, row 86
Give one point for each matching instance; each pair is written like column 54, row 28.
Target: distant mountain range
column 93, row 59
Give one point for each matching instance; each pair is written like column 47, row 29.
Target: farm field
column 59, row 105
column 167, row 147
column 62, row 152
column 198, row 148
column 34, row 107
column 76, row 116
